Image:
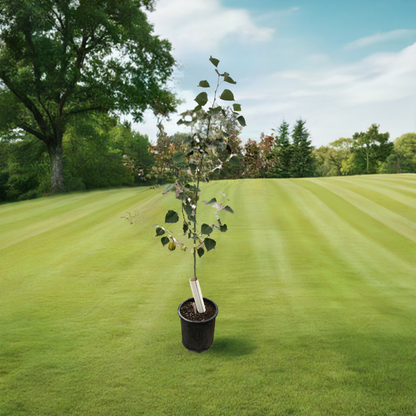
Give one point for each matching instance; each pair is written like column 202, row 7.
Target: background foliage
column 60, row 59
column 100, row 151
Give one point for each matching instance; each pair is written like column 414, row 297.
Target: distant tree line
column 289, row 153
column 61, row 87
column 99, row 151
column 367, row 152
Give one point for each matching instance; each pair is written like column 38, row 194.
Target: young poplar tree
column 202, row 155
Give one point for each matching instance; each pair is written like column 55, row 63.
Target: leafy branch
column 201, row 156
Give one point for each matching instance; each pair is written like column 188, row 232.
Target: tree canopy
column 403, row 157
column 62, row 58
column 371, row 148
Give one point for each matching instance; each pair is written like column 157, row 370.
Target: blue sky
column 339, row 65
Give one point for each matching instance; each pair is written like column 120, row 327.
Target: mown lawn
column 315, row 282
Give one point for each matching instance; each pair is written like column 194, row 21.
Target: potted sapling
column 210, row 149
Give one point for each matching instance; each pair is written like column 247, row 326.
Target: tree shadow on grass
column 232, row 347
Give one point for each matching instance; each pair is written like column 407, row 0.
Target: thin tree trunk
column 57, row 170
column 195, row 278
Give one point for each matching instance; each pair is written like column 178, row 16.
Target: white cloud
column 383, row 76
column 337, row 98
column 149, row 126
column 402, row 34
column 294, row 9
column 202, row 24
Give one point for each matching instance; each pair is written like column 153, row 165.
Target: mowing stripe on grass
column 314, row 284
column 390, row 219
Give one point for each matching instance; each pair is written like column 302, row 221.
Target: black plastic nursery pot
column 198, row 336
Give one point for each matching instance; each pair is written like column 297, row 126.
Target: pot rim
column 198, row 322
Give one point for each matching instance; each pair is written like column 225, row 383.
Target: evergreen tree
column 282, row 152
column 303, row 160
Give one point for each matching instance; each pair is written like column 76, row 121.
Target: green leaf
column 192, row 166
column 178, row 157
column 180, row 196
column 237, row 107
column 242, row 121
column 229, row 209
column 193, row 188
column 214, row 61
column 223, row 228
column 159, row 231
column 169, row 188
column 164, row 241
column 171, row 217
column 200, row 251
column 214, row 110
column 201, row 98
column 228, row 79
column 185, row 228
column 188, row 140
column 234, row 161
column 222, row 155
column 212, row 201
column 189, row 187
column 204, row 84
column 209, row 243
column 227, row 95
column 188, row 210
column 194, row 237
column 205, row 229
column 180, row 122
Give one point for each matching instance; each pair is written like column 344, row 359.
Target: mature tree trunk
column 57, row 170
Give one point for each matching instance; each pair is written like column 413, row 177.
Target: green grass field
column 315, row 282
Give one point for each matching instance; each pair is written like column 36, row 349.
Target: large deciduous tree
column 403, row 156
column 372, row 146
column 60, row 58
column 332, row 160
